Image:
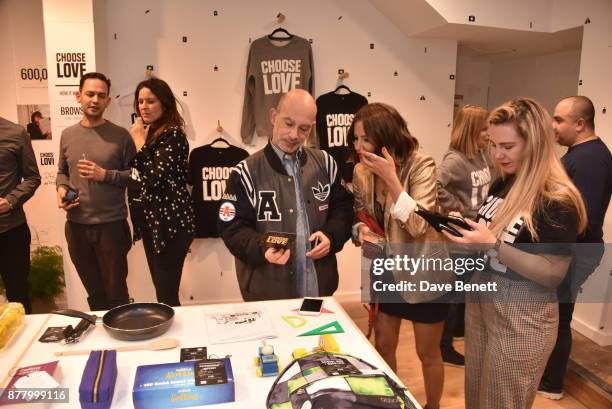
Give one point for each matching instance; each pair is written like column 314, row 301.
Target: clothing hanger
column 220, row 138
column 280, row 17
column 342, row 87
column 342, row 75
column 273, row 36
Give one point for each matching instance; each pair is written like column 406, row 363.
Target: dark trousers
column 167, row 267
column 15, row 264
column 456, row 313
column 99, row 253
column 454, row 320
column 587, row 258
column 552, row 380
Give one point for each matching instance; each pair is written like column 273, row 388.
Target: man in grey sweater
column 94, row 163
column 19, row 179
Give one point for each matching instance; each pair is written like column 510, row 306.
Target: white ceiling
column 489, row 43
column 417, row 19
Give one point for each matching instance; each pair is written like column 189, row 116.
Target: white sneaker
column 550, row 395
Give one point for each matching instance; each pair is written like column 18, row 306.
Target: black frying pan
column 131, row 322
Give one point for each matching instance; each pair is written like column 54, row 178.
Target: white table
column 189, row 327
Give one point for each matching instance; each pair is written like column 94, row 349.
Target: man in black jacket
column 287, row 188
column 19, row 179
column 589, row 164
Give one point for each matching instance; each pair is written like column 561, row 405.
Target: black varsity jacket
column 260, row 197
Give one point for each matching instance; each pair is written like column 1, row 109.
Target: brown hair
column 170, row 116
column 384, row 126
column 468, row 124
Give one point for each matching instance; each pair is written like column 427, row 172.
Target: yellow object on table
column 328, row 343
column 11, row 317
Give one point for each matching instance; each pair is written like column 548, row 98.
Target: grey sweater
column 19, row 177
column 463, row 181
column 272, row 71
column 109, row 146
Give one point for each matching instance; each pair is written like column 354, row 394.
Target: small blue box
column 166, row 386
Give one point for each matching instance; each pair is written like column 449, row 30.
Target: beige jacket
column 418, row 176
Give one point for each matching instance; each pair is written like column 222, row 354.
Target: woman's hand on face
column 479, row 238
column 139, row 133
column 381, row 166
column 384, row 168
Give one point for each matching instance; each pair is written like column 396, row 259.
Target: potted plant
column 46, row 277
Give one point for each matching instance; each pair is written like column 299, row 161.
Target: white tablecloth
column 189, row 327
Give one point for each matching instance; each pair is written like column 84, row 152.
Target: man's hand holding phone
column 67, row 198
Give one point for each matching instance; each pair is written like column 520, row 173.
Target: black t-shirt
column 209, row 168
column 556, row 225
column 589, row 165
column 335, row 114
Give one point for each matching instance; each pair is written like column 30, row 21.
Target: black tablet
column 443, row 222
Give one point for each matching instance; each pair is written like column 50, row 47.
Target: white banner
column 70, row 50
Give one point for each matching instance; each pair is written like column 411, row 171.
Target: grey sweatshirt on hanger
column 272, row 71
column 463, row 181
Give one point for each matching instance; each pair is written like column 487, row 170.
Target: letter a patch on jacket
column 268, row 209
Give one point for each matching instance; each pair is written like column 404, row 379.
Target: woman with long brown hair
column 390, row 181
column 160, row 165
column 526, row 226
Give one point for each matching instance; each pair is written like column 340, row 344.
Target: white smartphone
column 311, row 306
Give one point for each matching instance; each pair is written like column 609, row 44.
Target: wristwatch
column 493, row 252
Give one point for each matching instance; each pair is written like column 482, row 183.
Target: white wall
column 547, row 78
column 156, row 38
column 8, row 102
column 473, row 81
column 28, row 49
column 23, row 47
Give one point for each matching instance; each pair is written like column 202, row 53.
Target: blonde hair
column 466, row 129
column 540, row 178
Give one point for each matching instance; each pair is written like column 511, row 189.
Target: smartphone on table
column 311, row 306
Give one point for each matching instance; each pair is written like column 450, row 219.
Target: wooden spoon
column 166, row 343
